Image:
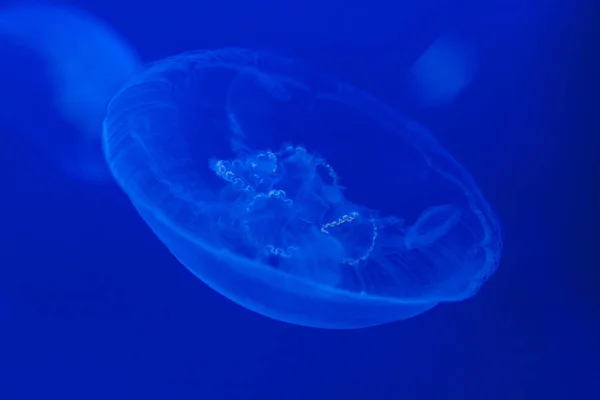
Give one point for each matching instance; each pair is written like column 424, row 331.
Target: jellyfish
column 296, row 195
column 83, row 63
column 443, row 71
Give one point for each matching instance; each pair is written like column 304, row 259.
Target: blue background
column 92, row 305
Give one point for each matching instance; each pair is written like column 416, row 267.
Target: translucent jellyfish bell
column 86, row 62
column 296, row 195
column 443, row 71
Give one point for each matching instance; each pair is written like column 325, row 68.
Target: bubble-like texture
column 295, row 195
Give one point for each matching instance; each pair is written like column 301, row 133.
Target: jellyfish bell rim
column 293, row 292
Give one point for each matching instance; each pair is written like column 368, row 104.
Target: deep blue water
column 92, row 305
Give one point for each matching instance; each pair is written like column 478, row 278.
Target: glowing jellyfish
column 86, row 62
column 297, row 196
column 443, row 71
